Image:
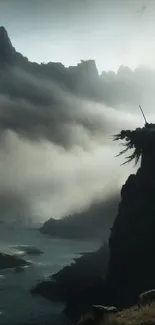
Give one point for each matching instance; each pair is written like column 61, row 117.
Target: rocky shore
column 11, row 261
column 77, row 283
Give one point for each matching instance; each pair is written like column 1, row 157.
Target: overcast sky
column 113, row 32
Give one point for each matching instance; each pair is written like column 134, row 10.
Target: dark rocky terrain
column 132, row 239
column 77, row 284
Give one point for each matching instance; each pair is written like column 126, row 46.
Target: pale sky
column 113, row 32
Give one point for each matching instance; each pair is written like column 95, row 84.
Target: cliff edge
column 132, row 239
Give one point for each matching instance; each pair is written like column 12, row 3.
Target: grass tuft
column 131, row 316
column 112, row 320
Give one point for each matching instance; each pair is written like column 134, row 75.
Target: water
column 17, row 305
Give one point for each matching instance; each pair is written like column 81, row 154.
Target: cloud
column 142, row 10
column 52, row 181
column 57, row 153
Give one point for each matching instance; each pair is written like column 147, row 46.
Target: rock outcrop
column 28, row 250
column 10, row 261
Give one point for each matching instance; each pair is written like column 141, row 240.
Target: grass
column 131, row 316
column 112, row 320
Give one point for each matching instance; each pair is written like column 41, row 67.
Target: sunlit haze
column 113, row 32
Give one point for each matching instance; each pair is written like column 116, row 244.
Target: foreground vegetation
column 131, row 316
column 135, row 316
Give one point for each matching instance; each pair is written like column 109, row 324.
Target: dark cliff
column 79, row 284
column 132, row 239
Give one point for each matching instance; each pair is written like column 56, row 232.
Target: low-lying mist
column 57, row 150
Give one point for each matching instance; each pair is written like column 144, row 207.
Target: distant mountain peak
column 2, row 29
column 6, row 49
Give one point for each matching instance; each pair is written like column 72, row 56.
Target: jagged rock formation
column 132, row 240
column 99, row 217
column 7, row 52
column 79, row 79
column 82, row 80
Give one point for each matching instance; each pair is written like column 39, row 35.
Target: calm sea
column 17, row 305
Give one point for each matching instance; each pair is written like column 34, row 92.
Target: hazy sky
column 56, row 148
column 71, row 161
column 113, row 32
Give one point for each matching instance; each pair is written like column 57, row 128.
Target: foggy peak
column 6, row 49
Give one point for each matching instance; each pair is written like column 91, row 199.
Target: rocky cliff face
column 132, row 239
column 132, row 247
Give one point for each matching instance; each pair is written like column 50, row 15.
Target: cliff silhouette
column 131, row 265
column 78, row 285
column 132, row 240
column 82, row 80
